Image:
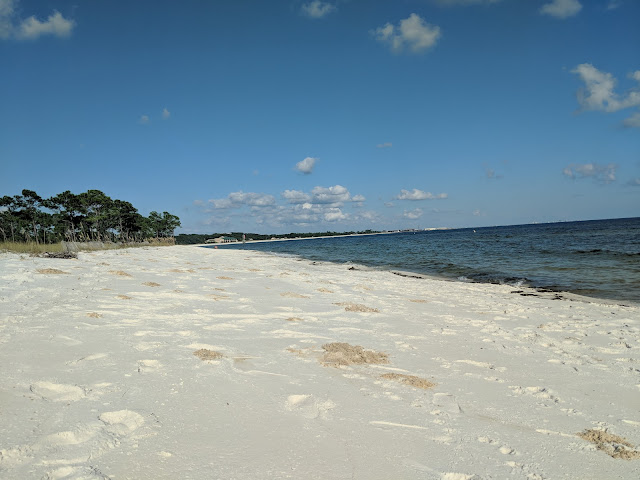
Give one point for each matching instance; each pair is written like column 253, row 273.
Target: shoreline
column 527, row 289
column 178, row 362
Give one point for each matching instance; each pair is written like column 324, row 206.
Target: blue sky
column 288, row 116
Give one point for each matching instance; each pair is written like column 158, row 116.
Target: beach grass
column 31, row 248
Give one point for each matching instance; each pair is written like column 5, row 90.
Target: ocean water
column 599, row 258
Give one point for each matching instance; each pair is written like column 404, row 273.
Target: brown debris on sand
column 410, row 380
column 51, row 271
column 342, row 354
column 613, row 445
column 294, row 319
column 124, row 297
column 224, row 278
column 357, row 307
column 205, row 354
column 292, row 295
column 94, row 315
column 57, row 255
column 152, row 284
column 119, row 273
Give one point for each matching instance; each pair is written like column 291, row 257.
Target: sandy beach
column 193, row 363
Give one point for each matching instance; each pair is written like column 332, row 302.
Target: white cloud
column 296, row 196
column 144, row 119
column 55, row 25
column 599, row 93
column 384, row 145
column 317, row 9
column 165, row 114
column 635, row 182
column 239, row 199
column 632, row 121
column 416, row 194
column 6, row 18
column 599, row 173
column 331, row 195
column 252, row 199
column 561, row 8
column 306, row 166
column 31, row 28
column 413, row 214
column 412, row 32
column 358, row 198
column 334, row 214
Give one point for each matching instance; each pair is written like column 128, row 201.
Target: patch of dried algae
column 51, row 271
column 410, row 380
column 205, row 354
column 613, row 445
column 342, row 354
column 152, row 284
column 292, row 295
column 120, row 273
column 356, row 307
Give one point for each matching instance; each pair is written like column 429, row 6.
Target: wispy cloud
column 144, row 119
column 561, row 8
column 413, row 214
column 306, row 166
column 412, row 33
column 613, row 4
column 31, row 28
column 384, row 145
column 599, row 93
column 634, row 182
column 317, row 9
column 416, row 194
column 165, row 114
column 599, row 173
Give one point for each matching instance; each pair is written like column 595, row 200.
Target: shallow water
column 599, row 258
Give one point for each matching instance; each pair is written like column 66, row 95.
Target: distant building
column 221, row 240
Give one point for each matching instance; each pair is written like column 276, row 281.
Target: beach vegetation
column 32, row 221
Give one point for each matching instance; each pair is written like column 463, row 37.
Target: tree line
column 88, row 216
column 195, row 238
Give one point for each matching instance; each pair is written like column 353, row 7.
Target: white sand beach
column 192, row 363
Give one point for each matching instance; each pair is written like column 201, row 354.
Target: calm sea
column 599, row 258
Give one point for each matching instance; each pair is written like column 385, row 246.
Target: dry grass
column 30, row 248
column 224, row 278
column 205, row 354
column 613, row 445
column 94, row 315
column 124, row 297
column 342, row 354
column 152, row 284
column 410, row 380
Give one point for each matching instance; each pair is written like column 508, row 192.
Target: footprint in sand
column 308, row 406
column 121, row 422
column 56, row 392
column 446, row 402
